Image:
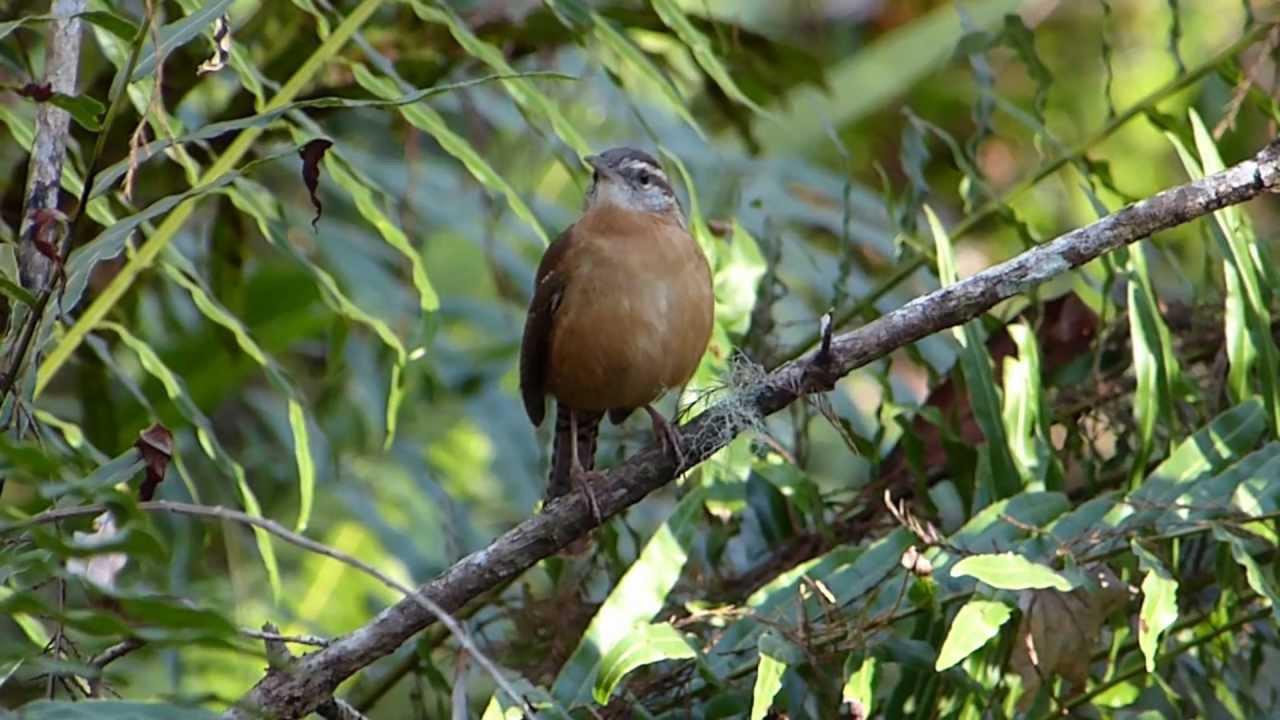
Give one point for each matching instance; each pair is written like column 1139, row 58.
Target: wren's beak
column 598, row 164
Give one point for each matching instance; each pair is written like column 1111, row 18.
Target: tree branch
column 314, row 677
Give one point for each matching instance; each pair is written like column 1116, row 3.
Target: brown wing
column 535, row 348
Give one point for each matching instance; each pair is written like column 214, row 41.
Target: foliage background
column 368, row 360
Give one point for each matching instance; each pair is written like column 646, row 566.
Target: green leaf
column 860, row 684
column 117, row 25
column 112, row 174
column 111, row 241
column 431, row 122
column 110, row 710
column 175, row 388
column 1254, row 276
column 1159, row 603
column 1010, row 571
column 178, row 269
column 975, row 362
column 673, row 17
column 769, row 673
column 638, row 596
column 17, row 292
column 1210, row 450
column 525, row 94
column 1259, row 580
column 646, row 644
column 1153, row 398
column 8, row 26
column 84, row 110
column 976, row 623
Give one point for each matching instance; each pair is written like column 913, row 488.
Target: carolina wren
column 621, row 313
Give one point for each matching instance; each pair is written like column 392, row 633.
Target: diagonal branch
column 315, row 676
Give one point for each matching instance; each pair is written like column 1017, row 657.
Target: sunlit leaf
column 1159, row 603
column 977, row 622
column 645, row 644
column 1010, row 571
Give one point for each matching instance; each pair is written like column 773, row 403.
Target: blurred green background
column 370, row 360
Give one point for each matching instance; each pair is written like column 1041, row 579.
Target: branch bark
column 294, row 693
column 44, row 177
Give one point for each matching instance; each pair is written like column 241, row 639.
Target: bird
column 622, row 312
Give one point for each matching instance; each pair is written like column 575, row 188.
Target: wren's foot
column 668, row 438
column 583, row 478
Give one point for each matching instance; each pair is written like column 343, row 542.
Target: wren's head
column 633, row 180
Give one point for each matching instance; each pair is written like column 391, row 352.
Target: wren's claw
column 583, row 478
column 668, row 438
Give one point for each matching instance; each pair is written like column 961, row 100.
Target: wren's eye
column 643, row 178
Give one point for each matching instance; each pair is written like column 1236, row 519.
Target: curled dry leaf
column 1059, row 630
column 221, row 47
column 156, row 445
column 102, row 569
column 37, row 92
column 312, row 153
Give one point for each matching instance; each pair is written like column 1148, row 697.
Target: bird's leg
column 579, row 475
column 668, row 438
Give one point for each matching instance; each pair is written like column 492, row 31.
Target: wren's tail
column 558, row 483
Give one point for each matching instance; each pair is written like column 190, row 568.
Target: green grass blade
column 704, row 54
column 431, row 122
column 975, row 363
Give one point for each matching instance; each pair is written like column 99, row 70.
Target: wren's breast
column 636, row 313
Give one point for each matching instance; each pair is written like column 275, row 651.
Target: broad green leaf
column 1010, row 571
column 638, row 596
column 1159, row 603
column 175, row 388
column 113, row 472
column 110, row 710
column 431, row 122
column 644, row 645
column 1211, row 449
column 769, row 671
column 976, row 623
column 975, row 362
column 525, row 94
